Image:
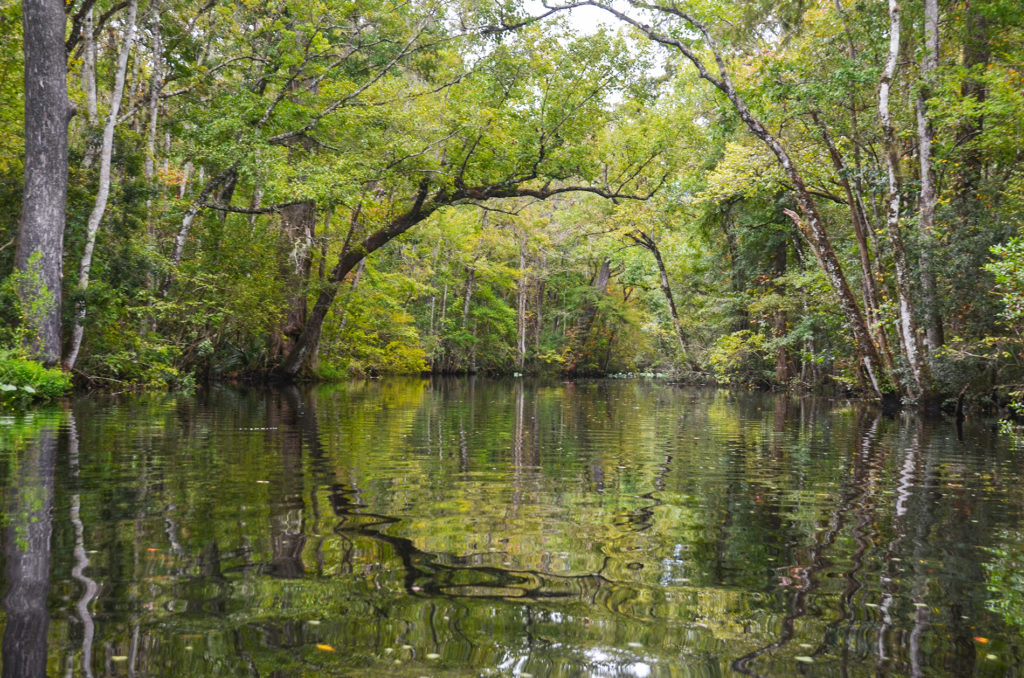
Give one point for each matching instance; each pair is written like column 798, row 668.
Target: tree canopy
column 777, row 194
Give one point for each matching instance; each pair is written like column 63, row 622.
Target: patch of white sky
column 586, row 20
column 589, row 20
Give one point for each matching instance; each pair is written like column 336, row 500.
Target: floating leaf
column 325, row 648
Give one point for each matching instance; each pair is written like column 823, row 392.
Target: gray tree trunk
column 155, row 85
column 103, row 190
column 40, row 243
column 186, row 223
column 89, row 86
column 467, row 298
column 869, row 289
column 908, row 324
column 648, row 243
column 298, row 231
column 539, row 320
column 666, row 289
column 600, row 285
column 934, row 335
column 89, row 68
column 521, row 309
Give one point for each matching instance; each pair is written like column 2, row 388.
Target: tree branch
column 269, row 209
column 76, row 24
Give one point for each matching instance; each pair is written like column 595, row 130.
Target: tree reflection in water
column 464, row 527
column 28, row 526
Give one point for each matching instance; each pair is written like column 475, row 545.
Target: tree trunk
column 186, row 224
column 225, row 192
column 648, row 243
column 977, row 52
column 89, row 68
column 926, row 220
column 444, row 309
column 666, row 289
column 908, row 325
column 103, row 190
column 89, row 87
column 869, row 289
column 155, row 85
column 467, row 298
column 782, row 371
column 349, row 258
column 600, row 285
column 539, row 320
column 298, row 222
column 40, row 245
column 521, row 309
column 186, row 176
column 821, row 244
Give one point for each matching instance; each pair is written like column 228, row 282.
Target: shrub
column 24, row 381
column 742, row 358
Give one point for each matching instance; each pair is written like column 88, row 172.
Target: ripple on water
column 470, row 528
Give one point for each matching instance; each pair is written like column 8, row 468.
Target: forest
column 804, row 194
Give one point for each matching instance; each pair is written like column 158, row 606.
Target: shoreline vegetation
column 795, row 196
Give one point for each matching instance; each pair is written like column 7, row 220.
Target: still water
column 497, row 528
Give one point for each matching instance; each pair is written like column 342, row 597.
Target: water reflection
column 468, row 528
column 28, row 525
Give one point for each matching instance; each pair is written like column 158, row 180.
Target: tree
column 41, row 229
column 103, row 190
column 809, row 221
column 392, row 131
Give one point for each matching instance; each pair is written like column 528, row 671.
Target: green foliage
column 28, row 301
column 741, row 358
column 24, row 381
column 371, row 333
column 1008, row 270
column 367, row 111
column 1005, row 573
column 11, row 90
